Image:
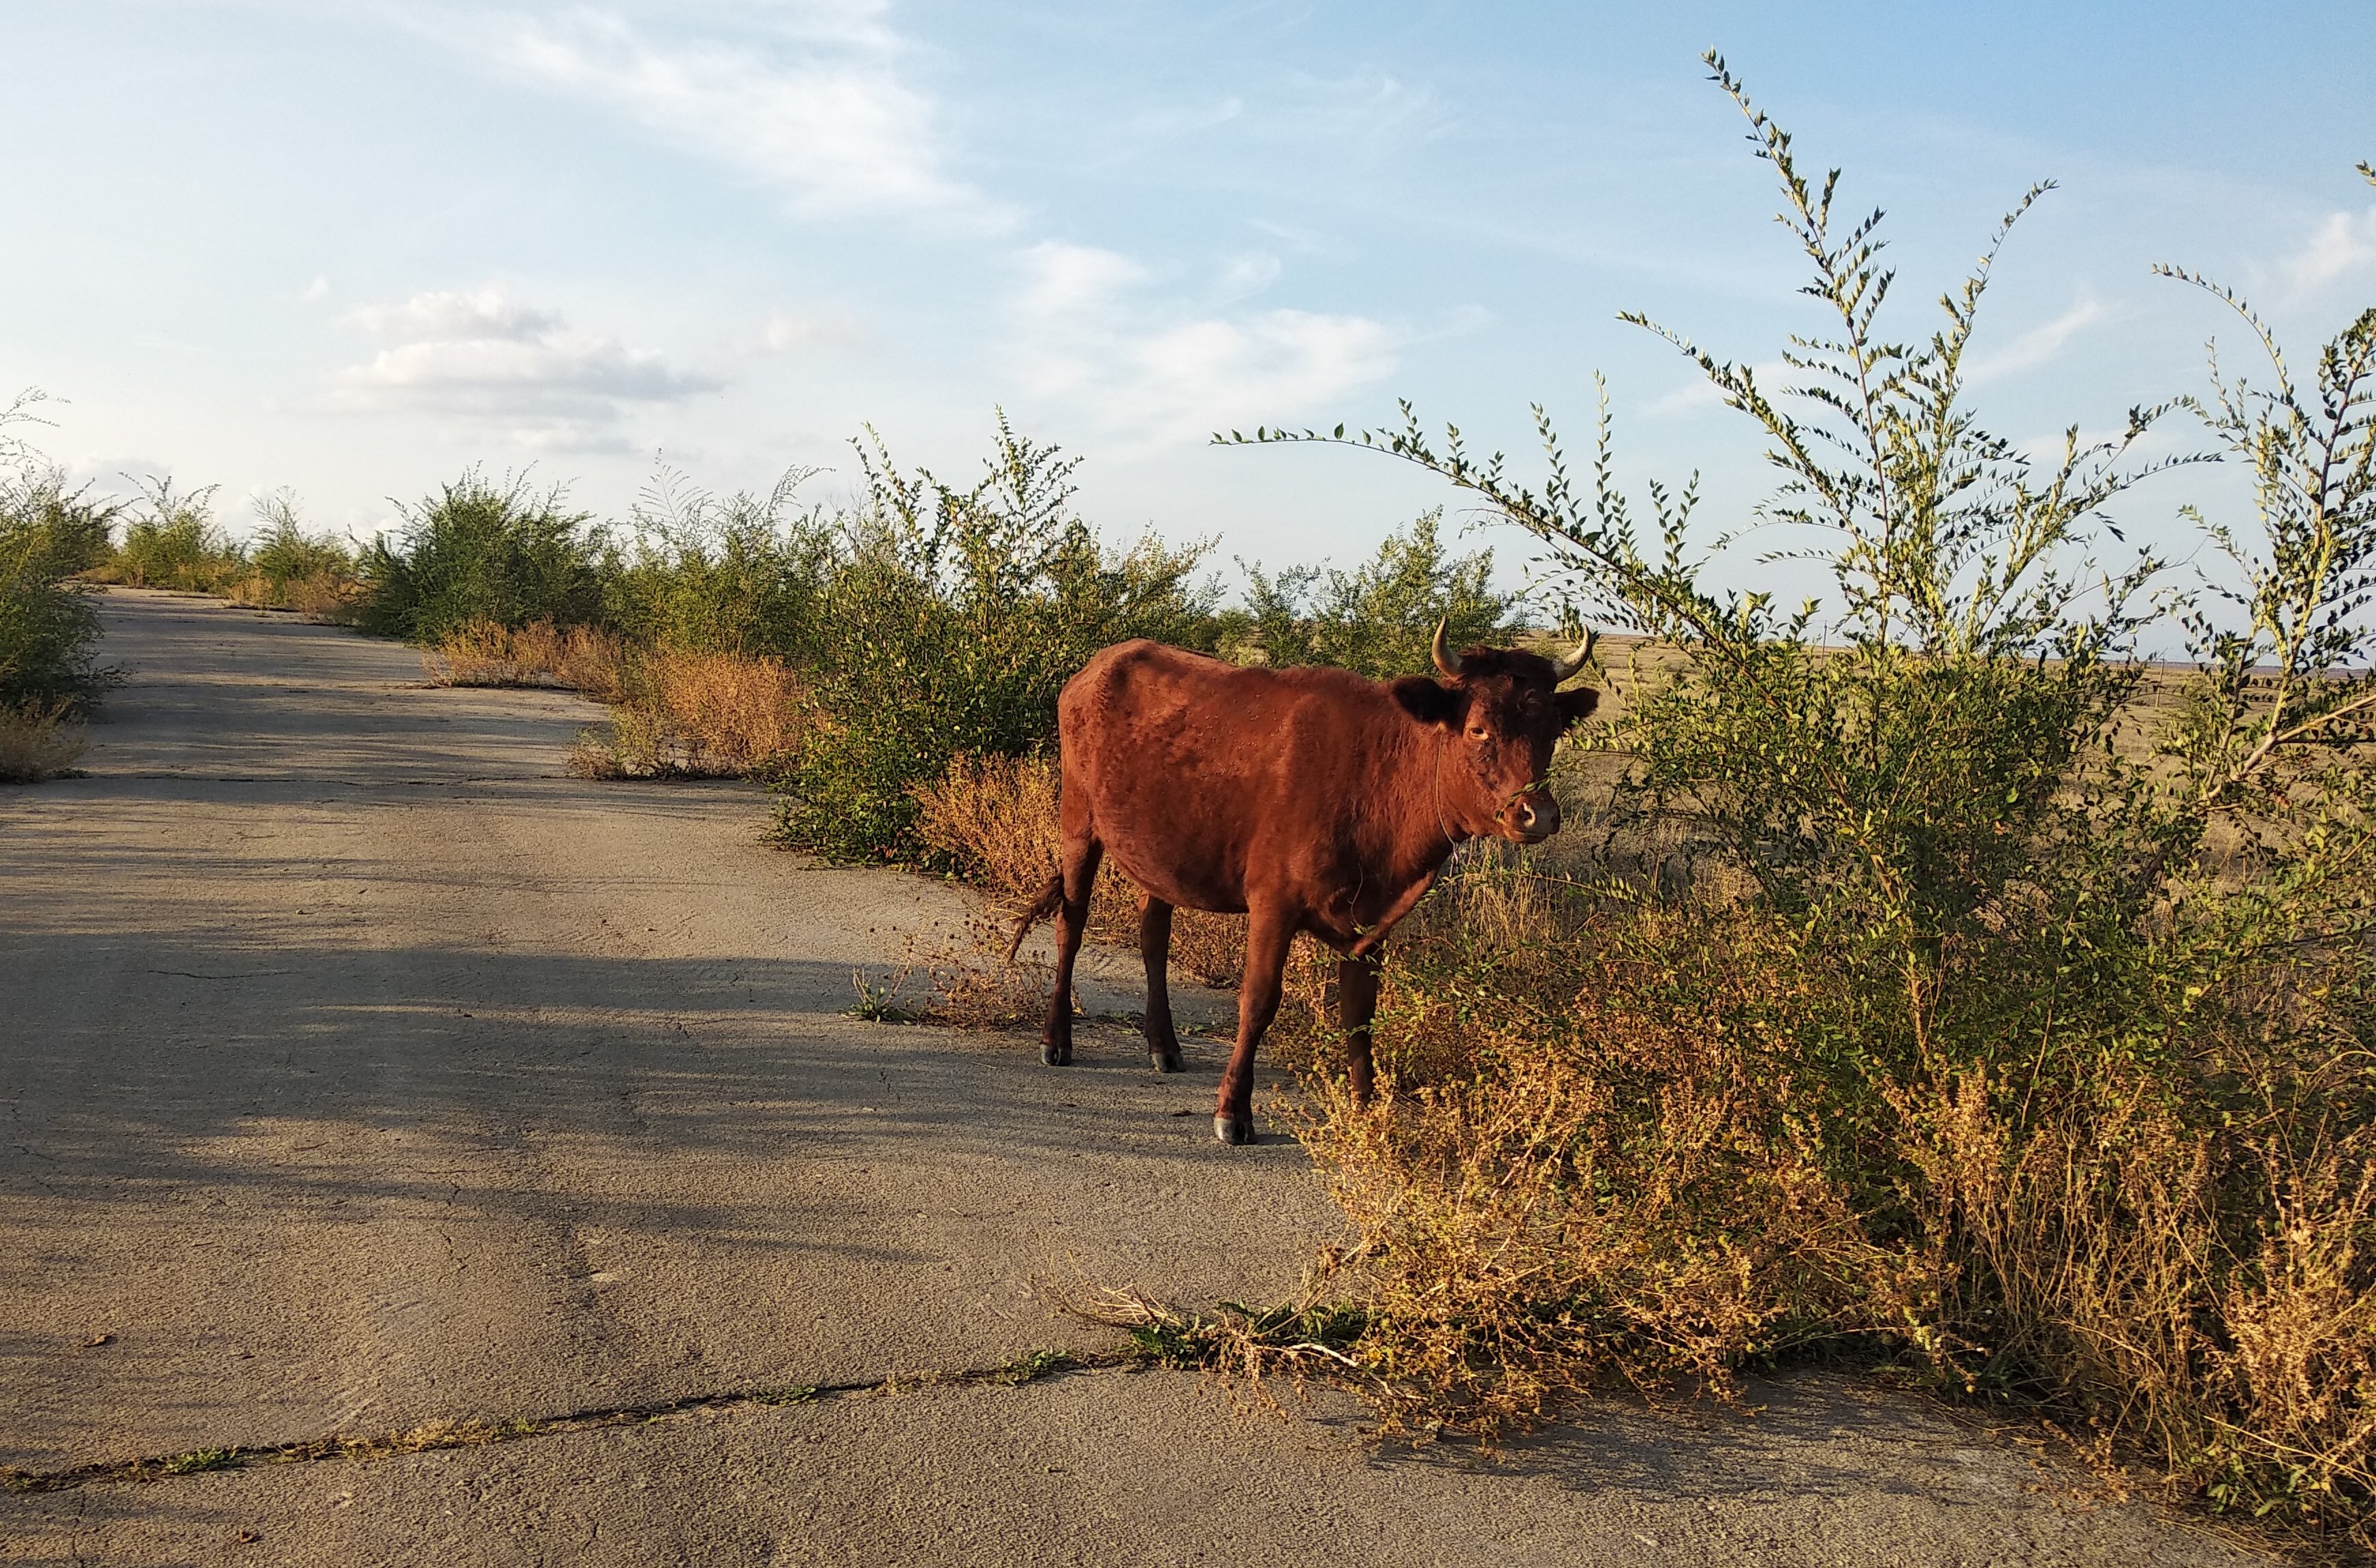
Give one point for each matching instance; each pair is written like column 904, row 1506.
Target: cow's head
column 1504, row 713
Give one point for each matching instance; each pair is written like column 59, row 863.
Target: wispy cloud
column 814, row 105
column 2345, row 243
column 1365, row 107
column 1699, row 393
column 2036, row 346
column 1156, row 374
column 487, row 358
column 788, row 332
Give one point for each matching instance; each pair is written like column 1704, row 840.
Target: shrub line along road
column 364, row 1072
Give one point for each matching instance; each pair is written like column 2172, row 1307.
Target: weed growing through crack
column 993, row 818
column 1027, row 1368
column 881, row 1003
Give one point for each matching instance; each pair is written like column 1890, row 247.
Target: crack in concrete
column 110, row 775
column 436, row 1436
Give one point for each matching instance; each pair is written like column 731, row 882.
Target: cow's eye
column 1476, row 734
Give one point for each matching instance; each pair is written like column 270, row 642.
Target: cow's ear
column 1430, row 701
column 1577, row 704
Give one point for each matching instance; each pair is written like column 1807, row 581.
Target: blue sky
column 351, row 248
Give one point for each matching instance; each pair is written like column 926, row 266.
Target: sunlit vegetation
column 1903, row 1011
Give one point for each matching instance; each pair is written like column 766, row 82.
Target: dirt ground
column 362, row 1070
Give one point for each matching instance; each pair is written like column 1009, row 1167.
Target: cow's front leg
column 1356, row 1004
column 1269, row 931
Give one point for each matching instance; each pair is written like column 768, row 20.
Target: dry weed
column 1546, row 1228
column 580, row 659
column 1604, row 1157
column 2107, row 1247
column 327, row 596
column 684, row 715
column 37, row 742
column 321, row 596
column 965, row 982
column 975, row 988
column 996, row 817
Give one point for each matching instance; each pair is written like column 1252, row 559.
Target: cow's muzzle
column 1531, row 818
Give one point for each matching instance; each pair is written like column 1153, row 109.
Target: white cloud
column 2032, row 348
column 1701, row 393
column 483, row 356
column 1368, row 108
column 2343, row 243
column 1158, row 375
column 1246, row 274
column 817, row 108
column 116, row 475
column 2036, row 346
column 786, row 333
column 319, row 289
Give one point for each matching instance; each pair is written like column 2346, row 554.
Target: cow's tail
column 1050, row 899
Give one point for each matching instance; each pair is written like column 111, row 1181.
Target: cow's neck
column 1430, row 835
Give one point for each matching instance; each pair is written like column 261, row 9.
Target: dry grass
column 963, row 980
column 580, row 659
column 37, row 742
column 676, row 714
column 328, row 596
column 974, row 988
column 681, row 715
column 1603, row 1157
column 996, row 818
column 2113, row 1260
column 1545, row 1205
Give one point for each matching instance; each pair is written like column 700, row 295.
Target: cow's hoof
column 1165, row 1061
column 1055, row 1055
column 1234, row 1130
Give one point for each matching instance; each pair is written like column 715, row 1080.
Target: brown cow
column 1311, row 799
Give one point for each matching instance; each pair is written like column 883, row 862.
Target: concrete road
column 362, row 1070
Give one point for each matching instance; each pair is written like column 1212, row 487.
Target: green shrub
column 743, row 575
column 1379, row 619
column 950, row 620
column 171, row 542
column 48, row 627
column 2036, row 1056
column 477, row 552
column 285, row 555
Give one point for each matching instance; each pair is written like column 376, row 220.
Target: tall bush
column 2044, row 1060
column 742, row 574
column 478, row 552
column 170, row 540
column 950, row 620
column 49, row 533
column 295, row 569
column 49, row 629
column 1378, row 619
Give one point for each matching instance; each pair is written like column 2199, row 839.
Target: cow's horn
column 1447, row 663
column 1563, row 668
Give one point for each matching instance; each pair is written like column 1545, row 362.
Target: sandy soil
column 363, row 1070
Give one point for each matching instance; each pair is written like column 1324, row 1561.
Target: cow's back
column 1193, row 767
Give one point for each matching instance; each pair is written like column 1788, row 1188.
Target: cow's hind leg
column 1082, row 852
column 1155, row 946
column 1356, row 1004
column 1269, row 933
